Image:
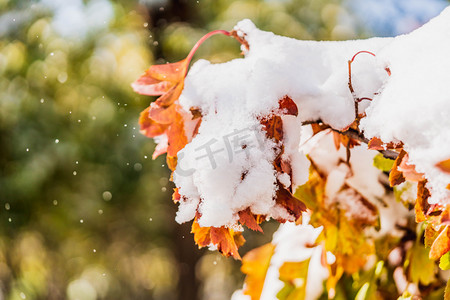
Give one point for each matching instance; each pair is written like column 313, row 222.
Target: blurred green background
column 84, row 211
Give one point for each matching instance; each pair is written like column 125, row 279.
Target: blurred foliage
column 84, row 212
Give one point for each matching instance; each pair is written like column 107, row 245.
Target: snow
column 233, row 96
column 230, row 160
column 413, row 106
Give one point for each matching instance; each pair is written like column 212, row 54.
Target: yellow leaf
column 255, row 264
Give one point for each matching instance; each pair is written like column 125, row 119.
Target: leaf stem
column 200, row 41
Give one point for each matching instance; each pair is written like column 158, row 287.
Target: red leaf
column 288, row 106
column 248, row 219
column 273, row 127
column 294, row 206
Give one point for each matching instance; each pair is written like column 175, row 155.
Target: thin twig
column 356, row 135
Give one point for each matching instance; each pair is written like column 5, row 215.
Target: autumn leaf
column 409, row 170
column 225, row 239
column 255, row 264
column 441, row 244
column 421, row 268
column 444, row 165
column 294, row 206
column 176, row 136
column 421, row 206
column 377, row 144
column 202, row 235
column 149, row 127
column 248, row 219
column 288, row 106
column 395, row 176
column 294, row 275
column 273, row 126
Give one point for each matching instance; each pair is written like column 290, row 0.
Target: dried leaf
column 294, row 206
column 409, row 170
column 273, row 127
column 255, row 264
column 395, row 176
column 288, row 106
column 421, row 207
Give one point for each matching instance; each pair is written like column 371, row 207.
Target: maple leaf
column 225, row 239
column 294, row 206
column 255, row 264
column 168, row 80
column 247, row 218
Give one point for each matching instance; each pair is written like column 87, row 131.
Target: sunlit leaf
column 255, row 264
column 382, row 163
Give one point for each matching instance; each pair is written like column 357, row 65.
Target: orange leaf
column 421, row 207
column 444, row 165
column 248, row 219
column 409, row 171
column 176, row 197
column 396, row 176
column 161, row 148
column 147, row 85
column 377, row 144
column 255, row 264
column 176, row 137
column 441, row 244
column 288, row 106
column 294, row 206
column 202, row 235
column 171, row 96
column 171, row 162
column 227, row 241
column 163, row 115
column 173, row 72
column 149, row 127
